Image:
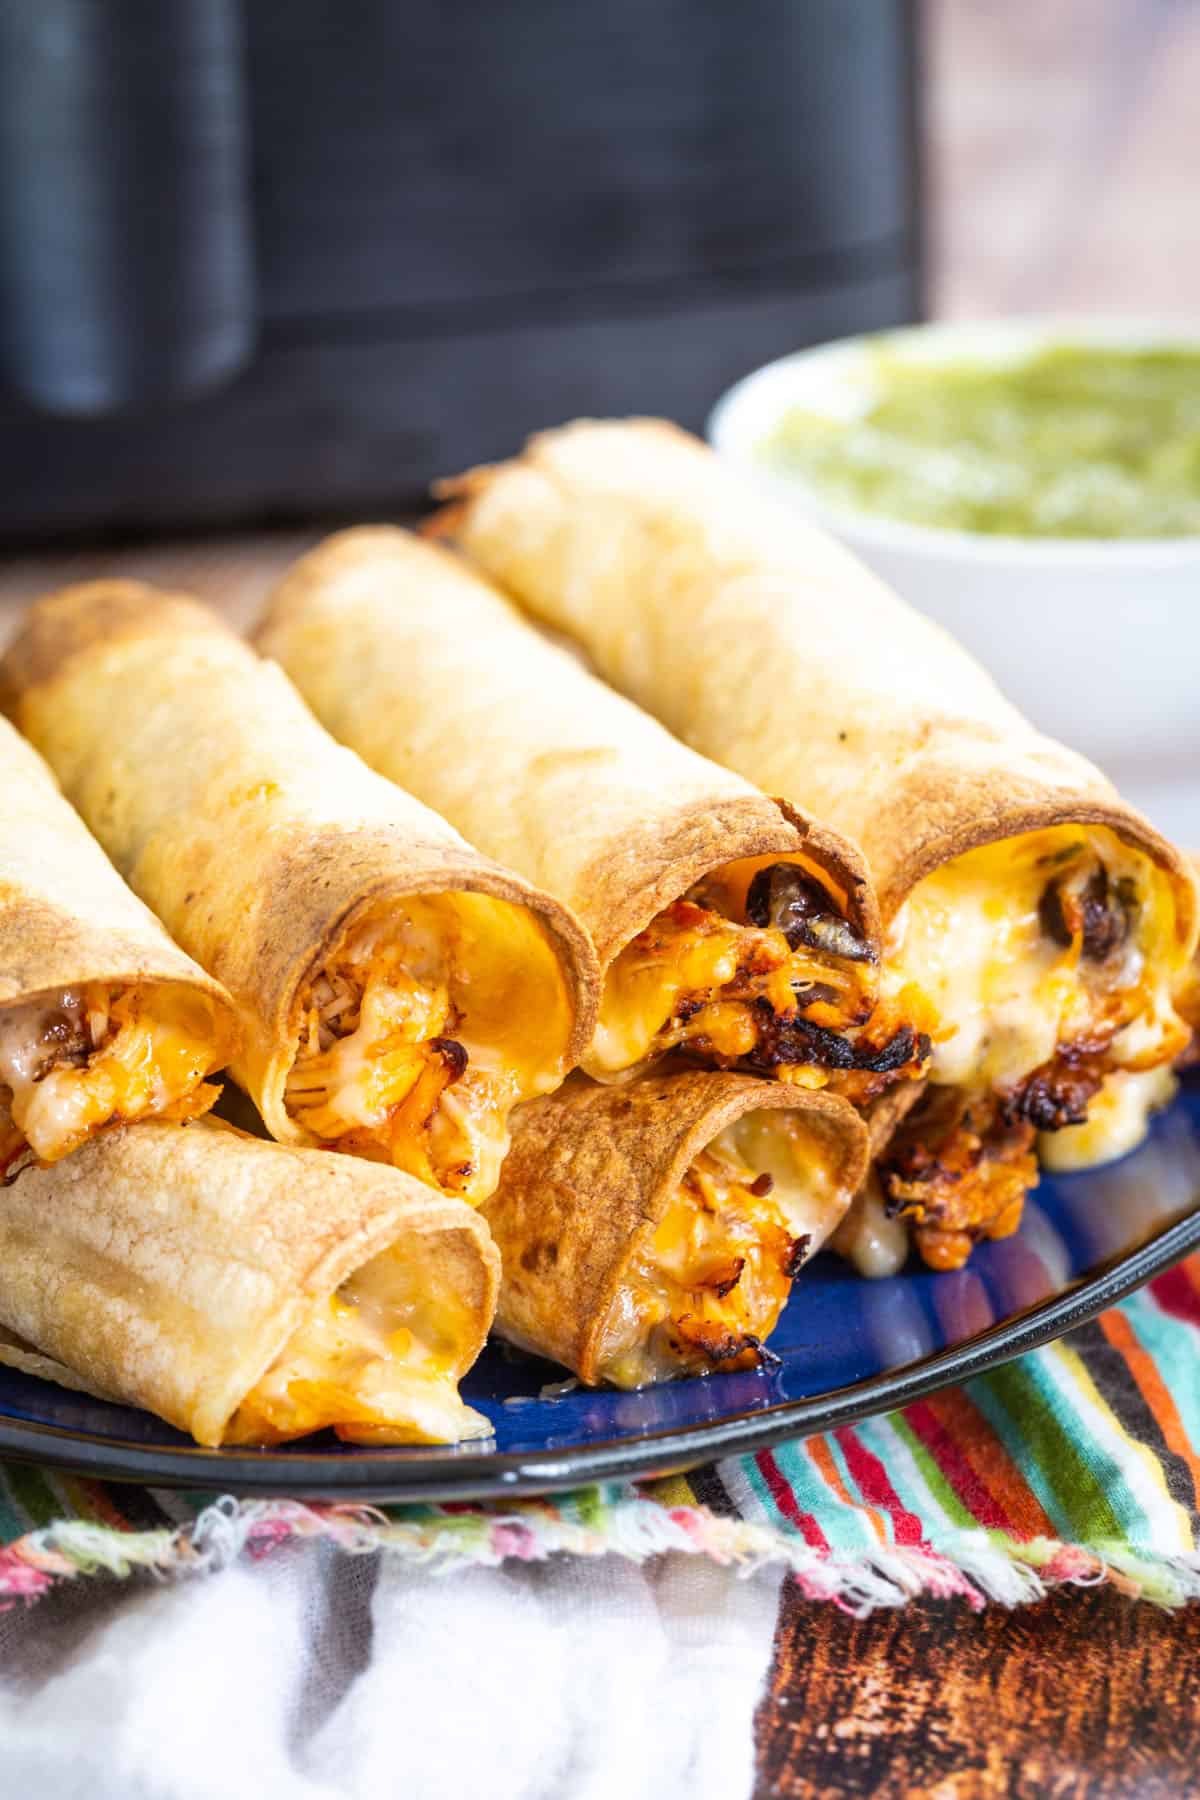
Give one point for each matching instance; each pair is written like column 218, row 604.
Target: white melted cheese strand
column 1002, row 991
column 876, row 1244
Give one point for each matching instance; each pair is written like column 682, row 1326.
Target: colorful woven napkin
column 1076, row 1464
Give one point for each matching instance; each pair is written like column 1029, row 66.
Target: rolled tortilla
column 654, row 1229
column 244, row 1292
column 398, row 992
column 102, row 1017
column 726, row 924
column 1046, row 921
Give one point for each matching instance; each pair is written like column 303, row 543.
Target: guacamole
column 1077, row 440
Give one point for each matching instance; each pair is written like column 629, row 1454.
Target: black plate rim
column 457, row 1476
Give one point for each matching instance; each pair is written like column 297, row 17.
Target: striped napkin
column 1076, row 1464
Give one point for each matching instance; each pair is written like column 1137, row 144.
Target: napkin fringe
column 976, row 1566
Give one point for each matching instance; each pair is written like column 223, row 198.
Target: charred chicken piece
column 798, row 1040
column 1083, row 905
column 783, row 896
column 1057, row 1094
column 959, row 1166
column 958, row 1170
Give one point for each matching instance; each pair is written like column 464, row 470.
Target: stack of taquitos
column 245, row 1292
column 654, row 1228
column 727, row 925
column 398, row 992
column 1045, row 920
column 102, row 1018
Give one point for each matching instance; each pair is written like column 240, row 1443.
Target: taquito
column 245, row 1292
column 654, row 1229
column 727, row 925
column 102, row 1017
column 1046, row 921
column 398, row 992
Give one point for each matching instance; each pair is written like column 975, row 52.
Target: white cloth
column 312, row 1675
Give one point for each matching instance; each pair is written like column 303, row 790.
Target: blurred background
column 268, row 268
column 260, row 263
column 1063, row 156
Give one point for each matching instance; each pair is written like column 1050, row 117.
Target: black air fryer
column 260, row 260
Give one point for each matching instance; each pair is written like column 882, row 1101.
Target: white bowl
column 1096, row 640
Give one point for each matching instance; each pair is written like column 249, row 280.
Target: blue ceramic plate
column 847, row 1347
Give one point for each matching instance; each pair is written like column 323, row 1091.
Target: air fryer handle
column 126, row 248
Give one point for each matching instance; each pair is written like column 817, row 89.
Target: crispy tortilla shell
column 66, row 917
column 768, row 647
column 426, row 670
column 589, row 1176
column 258, row 841
column 166, row 1266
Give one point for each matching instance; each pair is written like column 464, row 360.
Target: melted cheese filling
column 371, row 1363
column 1007, row 995
column 697, row 977
column 708, row 1287
column 92, row 1058
column 1116, row 1122
column 410, row 1046
column 876, row 1244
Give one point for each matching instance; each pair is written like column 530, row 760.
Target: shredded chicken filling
column 756, row 967
column 368, row 1363
column 97, row 1056
column 390, row 1064
column 707, row 1288
column 1050, row 960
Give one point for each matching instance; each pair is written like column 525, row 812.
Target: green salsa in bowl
column 1034, row 486
column 1071, row 440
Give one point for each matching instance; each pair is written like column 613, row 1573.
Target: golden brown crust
column 167, row 1265
column 58, row 628
column 942, row 812
column 66, row 917
column 770, row 648
column 656, row 861
column 406, row 655
column 589, row 1176
column 218, row 796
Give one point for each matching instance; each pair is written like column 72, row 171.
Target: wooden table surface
column 1087, row 1696
column 1065, row 158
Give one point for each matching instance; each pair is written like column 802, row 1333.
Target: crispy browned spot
column 959, row 1166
